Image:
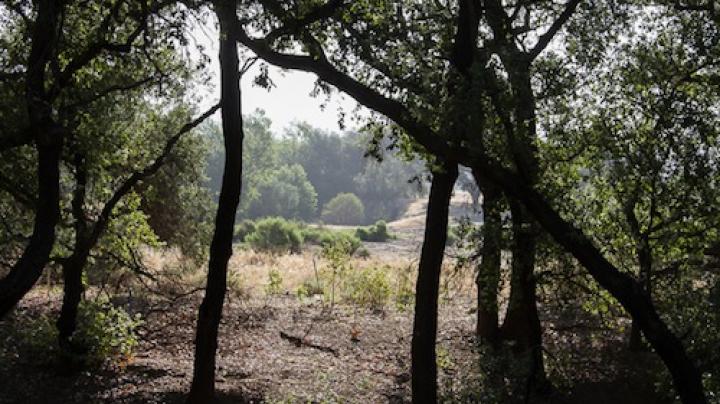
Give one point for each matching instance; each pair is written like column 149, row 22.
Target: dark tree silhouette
column 203, row 383
column 424, row 367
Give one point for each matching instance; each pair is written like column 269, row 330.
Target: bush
column 337, row 256
column 404, row 290
column 104, row 333
column 243, row 229
column 344, row 208
column 369, row 287
column 376, row 233
column 274, row 285
column 276, row 235
column 362, row 253
column 315, row 234
column 237, row 285
column 324, row 237
column 310, row 287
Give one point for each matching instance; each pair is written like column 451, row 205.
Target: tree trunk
column 72, row 268
column 644, row 254
column 48, row 142
column 686, row 376
column 488, row 276
column 522, row 323
column 73, row 289
column 424, row 367
column 87, row 233
column 210, row 313
column 27, row 270
column 644, row 259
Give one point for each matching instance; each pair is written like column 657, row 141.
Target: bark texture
column 424, row 367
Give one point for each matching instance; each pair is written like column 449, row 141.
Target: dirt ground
column 364, row 357
column 348, row 354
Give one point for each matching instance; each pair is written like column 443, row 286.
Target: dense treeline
column 297, row 174
column 589, row 129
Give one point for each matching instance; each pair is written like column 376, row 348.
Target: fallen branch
column 299, row 342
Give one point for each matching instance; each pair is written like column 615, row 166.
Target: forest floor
column 345, row 354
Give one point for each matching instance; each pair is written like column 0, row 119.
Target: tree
column 56, row 93
column 644, row 158
column 284, row 191
column 488, row 271
column 344, row 208
column 385, row 187
column 329, row 160
column 685, row 374
column 202, row 389
column 424, row 365
column 88, row 232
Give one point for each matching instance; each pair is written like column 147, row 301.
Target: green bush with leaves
column 105, row 333
column 404, row 289
column 323, row 236
column 345, row 209
column 243, row 229
column 274, row 285
column 310, row 287
column 452, row 236
column 337, row 256
column 276, row 235
column 375, row 233
column 368, row 287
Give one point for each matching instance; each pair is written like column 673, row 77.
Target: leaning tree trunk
column 645, row 262
column 488, row 276
column 687, row 379
column 210, row 313
column 28, row 269
column 48, row 143
column 522, row 323
column 644, row 259
column 424, row 367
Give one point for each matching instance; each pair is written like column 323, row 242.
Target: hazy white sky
column 288, row 101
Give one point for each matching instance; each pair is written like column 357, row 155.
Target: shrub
column 314, row 234
column 404, row 292
column 274, row 285
column 369, row 287
column 452, row 236
column 344, row 208
column 376, row 233
column 237, row 285
column 243, row 229
column 325, row 237
column 104, row 333
column 362, row 253
column 276, row 235
column 310, row 287
column 107, row 331
column 337, row 256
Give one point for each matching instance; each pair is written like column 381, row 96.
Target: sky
column 288, row 101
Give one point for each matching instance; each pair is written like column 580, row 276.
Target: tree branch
column 545, row 38
column 146, row 172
